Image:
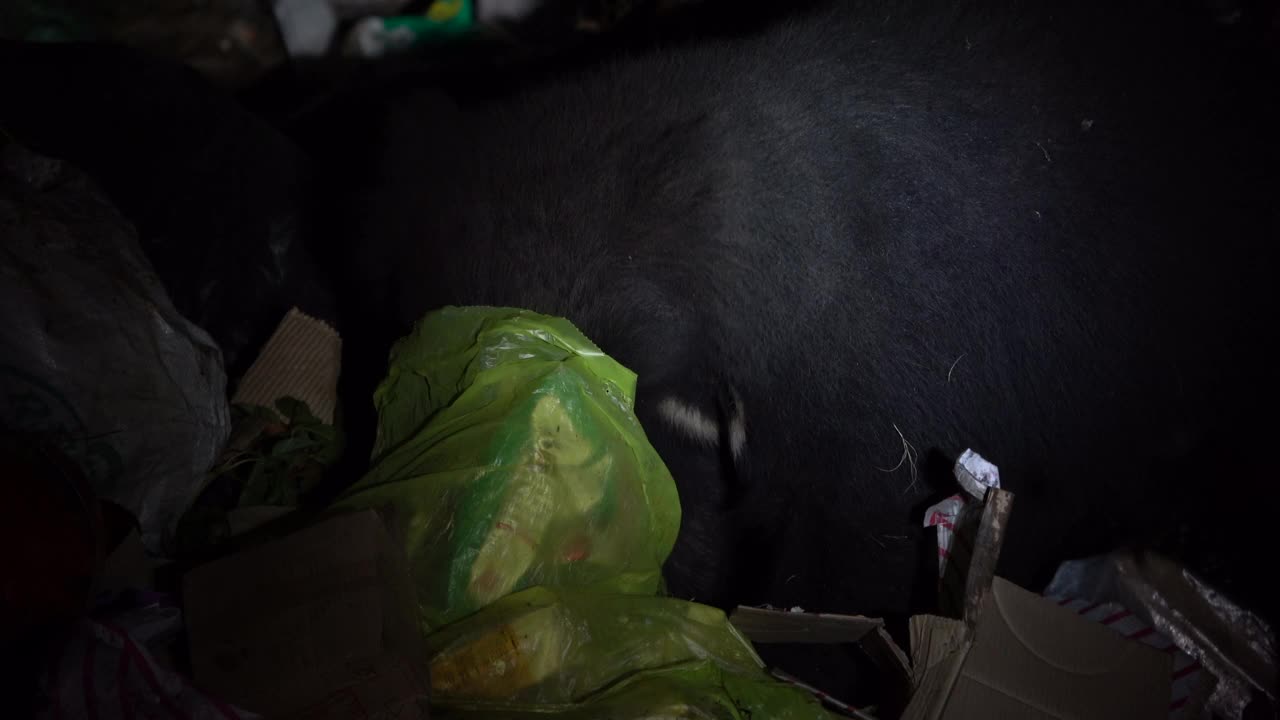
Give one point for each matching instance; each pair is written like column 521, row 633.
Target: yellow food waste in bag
column 576, row 653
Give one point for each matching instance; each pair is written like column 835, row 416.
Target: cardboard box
column 1029, row 658
column 1013, row 655
column 868, row 634
column 319, row 624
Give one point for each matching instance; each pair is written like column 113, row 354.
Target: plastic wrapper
column 508, row 456
column 581, row 654
column 106, row 670
column 1233, row 644
column 96, row 358
column 957, row 520
column 443, row 22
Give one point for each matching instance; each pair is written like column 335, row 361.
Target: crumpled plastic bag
column 1234, row 644
column 577, row 654
column 508, row 456
column 536, row 518
column 94, row 356
column 104, row 671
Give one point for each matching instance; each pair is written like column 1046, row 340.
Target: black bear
column 842, row 249
column 838, row 249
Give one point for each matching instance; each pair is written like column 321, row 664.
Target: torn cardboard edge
column 1013, row 653
column 761, row 625
column 986, row 551
column 1028, row 657
column 302, row 360
column 316, row 624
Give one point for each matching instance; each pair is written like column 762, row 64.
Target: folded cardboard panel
column 309, row 624
column 1013, row 654
column 1029, row 658
column 779, row 626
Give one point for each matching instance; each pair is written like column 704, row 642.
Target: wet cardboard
column 1029, row 658
column 319, row 624
column 1009, row 654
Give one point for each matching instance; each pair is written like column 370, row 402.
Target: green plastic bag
column 575, row 654
column 536, row 518
column 508, row 456
column 696, row 690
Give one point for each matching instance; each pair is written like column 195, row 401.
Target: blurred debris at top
column 235, row 43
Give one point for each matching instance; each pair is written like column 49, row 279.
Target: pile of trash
column 237, row 42
column 500, row 557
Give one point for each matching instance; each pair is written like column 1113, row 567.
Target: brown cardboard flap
column 986, row 552
column 1018, row 655
column 1031, row 658
column 389, row 685
column 779, row 626
column 935, row 685
column 321, row 614
column 933, row 640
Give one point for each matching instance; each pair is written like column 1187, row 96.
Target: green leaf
column 294, row 443
column 320, row 433
column 242, row 411
column 296, row 411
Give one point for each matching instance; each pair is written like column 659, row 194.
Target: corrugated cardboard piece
column 301, row 360
column 1009, row 654
column 313, row 625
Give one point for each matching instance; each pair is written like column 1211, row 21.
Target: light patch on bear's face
column 737, row 434
column 689, row 420
column 701, row 427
